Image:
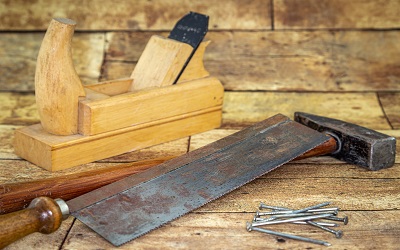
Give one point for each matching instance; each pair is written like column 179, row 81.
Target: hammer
column 350, row 143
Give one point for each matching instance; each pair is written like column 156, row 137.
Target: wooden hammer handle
column 325, row 148
column 43, row 215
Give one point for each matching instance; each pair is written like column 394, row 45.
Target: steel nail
column 325, row 224
column 278, row 216
column 303, row 218
column 338, row 233
column 265, row 206
column 311, row 207
column 345, row 219
column 289, row 236
column 333, row 210
column 290, row 215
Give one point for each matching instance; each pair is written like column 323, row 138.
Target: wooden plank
column 283, row 61
column 306, row 61
column 140, row 15
column 148, row 106
column 21, row 170
column 6, row 142
column 44, row 241
column 336, row 14
column 19, row 52
column 221, row 231
column 361, row 193
column 18, row 109
column 391, row 106
column 56, row 153
column 244, row 108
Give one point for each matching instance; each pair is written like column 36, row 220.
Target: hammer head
column 357, row 145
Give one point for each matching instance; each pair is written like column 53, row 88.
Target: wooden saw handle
column 43, row 215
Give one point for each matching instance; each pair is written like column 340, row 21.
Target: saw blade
column 125, row 210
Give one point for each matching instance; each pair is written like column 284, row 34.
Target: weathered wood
column 18, row 109
column 354, row 59
column 222, row 230
column 39, row 241
column 391, row 106
column 244, row 108
column 336, row 14
column 348, row 193
column 19, row 52
column 142, row 15
column 6, row 142
column 283, row 61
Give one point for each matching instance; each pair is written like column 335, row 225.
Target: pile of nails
column 308, row 216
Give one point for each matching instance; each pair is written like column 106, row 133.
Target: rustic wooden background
column 336, row 58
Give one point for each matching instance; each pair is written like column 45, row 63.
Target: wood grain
column 160, row 63
column 58, row 87
column 6, row 142
column 283, row 61
column 244, row 108
column 40, row 241
column 223, row 230
column 141, row 15
column 14, row 171
column 19, row 52
column 334, row 58
column 336, row 14
column 18, row 109
column 391, row 106
column 149, row 106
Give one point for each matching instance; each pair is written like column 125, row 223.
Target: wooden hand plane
column 82, row 124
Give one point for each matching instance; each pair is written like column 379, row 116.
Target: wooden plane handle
column 16, row 196
column 43, row 215
column 57, row 85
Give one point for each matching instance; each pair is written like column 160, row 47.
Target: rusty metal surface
column 190, row 181
column 358, row 145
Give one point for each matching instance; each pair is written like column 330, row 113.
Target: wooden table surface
column 335, row 58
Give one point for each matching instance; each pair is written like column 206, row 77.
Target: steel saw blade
column 134, row 206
